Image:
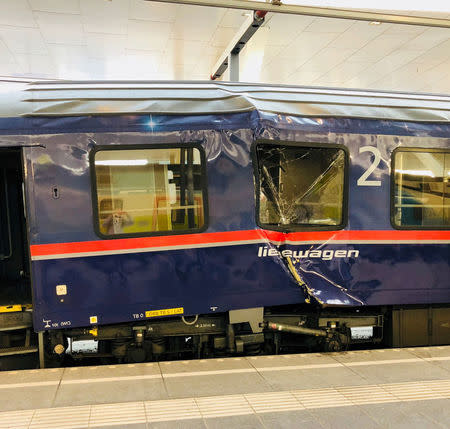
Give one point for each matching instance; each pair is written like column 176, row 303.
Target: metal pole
column 317, row 11
column 41, row 349
column 190, row 187
column 295, row 329
column 230, row 57
column 233, row 64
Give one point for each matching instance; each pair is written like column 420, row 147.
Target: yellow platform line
column 119, row 414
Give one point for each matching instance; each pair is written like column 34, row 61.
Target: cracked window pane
column 300, row 186
column 422, row 188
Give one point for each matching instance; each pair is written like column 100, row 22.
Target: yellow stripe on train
column 165, row 312
column 14, row 308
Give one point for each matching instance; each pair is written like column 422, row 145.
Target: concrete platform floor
column 391, row 388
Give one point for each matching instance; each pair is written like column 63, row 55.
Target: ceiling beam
column 277, row 7
column 230, row 56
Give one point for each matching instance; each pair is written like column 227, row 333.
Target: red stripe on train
column 230, row 236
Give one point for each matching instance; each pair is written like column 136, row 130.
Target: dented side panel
column 235, row 263
column 381, row 266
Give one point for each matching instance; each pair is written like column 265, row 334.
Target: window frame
column 118, row 147
column 301, row 227
column 392, row 188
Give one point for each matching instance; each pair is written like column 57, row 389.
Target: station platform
column 390, row 388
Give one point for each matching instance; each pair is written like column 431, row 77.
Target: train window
column 421, row 189
column 149, row 191
column 300, row 187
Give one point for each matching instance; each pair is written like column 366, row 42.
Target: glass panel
column 300, row 185
column 419, row 189
column 149, row 190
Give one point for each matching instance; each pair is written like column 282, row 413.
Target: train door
column 17, row 341
column 14, row 264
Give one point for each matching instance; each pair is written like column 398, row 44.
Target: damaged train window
column 421, row 197
column 300, row 186
column 149, row 191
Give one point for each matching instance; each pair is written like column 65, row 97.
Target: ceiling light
column 416, row 172
column 116, row 162
column 375, row 23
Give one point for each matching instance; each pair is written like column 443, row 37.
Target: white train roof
column 79, row 98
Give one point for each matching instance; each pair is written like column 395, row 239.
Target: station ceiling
column 137, row 39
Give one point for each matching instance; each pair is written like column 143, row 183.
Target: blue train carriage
column 195, row 219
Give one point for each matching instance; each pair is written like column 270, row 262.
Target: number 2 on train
column 362, row 181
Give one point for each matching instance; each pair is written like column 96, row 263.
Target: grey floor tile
column 427, row 352
column 180, row 424
column 413, row 421
column 240, row 422
column 101, row 393
column 443, row 364
column 290, row 419
column 415, row 414
column 341, row 377
column 373, row 355
column 436, row 411
column 212, row 385
column 344, row 418
column 292, row 359
column 312, row 379
column 386, row 415
column 400, row 373
column 124, row 426
column 294, row 380
column 25, row 399
column 31, row 376
column 107, row 371
column 199, row 365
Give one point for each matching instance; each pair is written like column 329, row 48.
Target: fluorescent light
column 417, row 172
column 398, row 5
column 122, row 162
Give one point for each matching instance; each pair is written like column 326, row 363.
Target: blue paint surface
column 118, row 287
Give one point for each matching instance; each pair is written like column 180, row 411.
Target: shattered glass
column 300, row 186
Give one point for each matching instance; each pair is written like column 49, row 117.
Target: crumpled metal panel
column 105, row 98
column 283, row 172
column 372, row 267
column 220, row 275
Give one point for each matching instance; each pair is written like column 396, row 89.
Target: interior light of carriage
column 116, row 162
column 416, row 172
